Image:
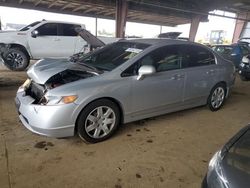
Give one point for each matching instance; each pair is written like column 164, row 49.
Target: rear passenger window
column 68, row 29
column 194, row 56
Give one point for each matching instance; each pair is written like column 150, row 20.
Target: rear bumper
column 53, row 121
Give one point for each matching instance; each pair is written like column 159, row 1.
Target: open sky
column 23, row 16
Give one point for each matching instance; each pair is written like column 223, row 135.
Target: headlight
column 26, row 84
column 56, row 100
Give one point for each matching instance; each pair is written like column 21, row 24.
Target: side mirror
column 145, row 70
column 245, row 60
column 34, row 33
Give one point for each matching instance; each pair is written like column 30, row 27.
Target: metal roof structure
column 161, row 12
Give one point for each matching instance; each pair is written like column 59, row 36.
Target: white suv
column 41, row 39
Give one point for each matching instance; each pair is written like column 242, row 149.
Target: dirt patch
column 185, row 141
column 43, row 145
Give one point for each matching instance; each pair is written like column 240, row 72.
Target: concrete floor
column 168, row 151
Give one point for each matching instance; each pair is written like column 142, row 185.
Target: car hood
column 236, row 163
column 13, row 31
column 46, row 68
column 91, row 39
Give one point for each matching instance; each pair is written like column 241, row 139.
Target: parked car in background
column 172, row 35
column 244, row 41
column 122, row 82
column 41, row 39
column 244, row 68
column 234, row 52
column 230, row 166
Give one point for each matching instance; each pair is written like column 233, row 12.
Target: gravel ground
column 167, row 151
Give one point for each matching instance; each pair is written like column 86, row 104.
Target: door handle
column 56, row 39
column 177, row 77
column 210, row 71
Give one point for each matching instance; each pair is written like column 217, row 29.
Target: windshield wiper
column 102, row 68
column 88, row 66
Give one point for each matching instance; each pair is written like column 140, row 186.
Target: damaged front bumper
column 53, row 121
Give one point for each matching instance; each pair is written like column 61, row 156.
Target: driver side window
column 163, row 59
column 48, row 29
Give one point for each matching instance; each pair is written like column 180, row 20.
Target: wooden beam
column 90, row 10
column 52, row 4
column 109, row 13
column 66, row 6
column 38, row 2
column 78, row 8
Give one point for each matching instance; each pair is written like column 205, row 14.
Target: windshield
column 111, row 56
column 26, row 28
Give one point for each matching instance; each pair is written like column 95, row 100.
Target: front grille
column 36, row 91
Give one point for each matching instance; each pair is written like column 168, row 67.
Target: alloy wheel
column 100, row 122
column 217, row 97
column 16, row 59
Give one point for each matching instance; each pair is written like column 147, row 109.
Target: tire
column 16, row 59
column 98, row 121
column 217, row 97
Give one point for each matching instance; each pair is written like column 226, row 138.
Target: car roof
column 65, row 22
column 159, row 41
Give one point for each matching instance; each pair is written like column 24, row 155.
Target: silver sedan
column 122, row 82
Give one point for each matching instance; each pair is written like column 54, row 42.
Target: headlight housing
column 57, row 100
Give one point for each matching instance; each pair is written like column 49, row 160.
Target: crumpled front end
column 44, row 113
column 54, row 120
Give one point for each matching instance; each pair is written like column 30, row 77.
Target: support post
column 0, row 24
column 121, row 17
column 239, row 26
column 194, row 27
column 96, row 27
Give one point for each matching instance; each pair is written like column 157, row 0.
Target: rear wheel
column 217, row 97
column 98, row 121
column 15, row 59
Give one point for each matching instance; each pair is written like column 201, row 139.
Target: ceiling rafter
column 148, row 11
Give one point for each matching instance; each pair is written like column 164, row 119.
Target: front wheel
column 16, row 60
column 217, row 97
column 98, row 121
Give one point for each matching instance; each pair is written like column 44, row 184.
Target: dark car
column 234, row 52
column 230, row 167
column 244, row 68
column 244, row 41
